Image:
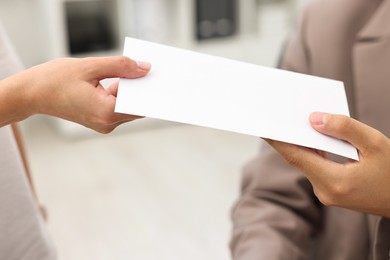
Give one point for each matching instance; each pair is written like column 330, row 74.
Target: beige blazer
column 277, row 215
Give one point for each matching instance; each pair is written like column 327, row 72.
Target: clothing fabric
column 23, row 234
column 278, row 215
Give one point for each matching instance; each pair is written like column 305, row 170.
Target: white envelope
column 199, row 89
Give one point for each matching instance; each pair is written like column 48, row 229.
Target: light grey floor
column 165, row 192
column 153, row 189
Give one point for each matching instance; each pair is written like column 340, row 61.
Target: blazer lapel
column 378, row 25
column 371, row 70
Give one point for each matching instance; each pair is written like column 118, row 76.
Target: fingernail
column 144, row 65
column 318, row 118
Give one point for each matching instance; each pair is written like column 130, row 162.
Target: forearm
column 265, row 230
column 277, row 214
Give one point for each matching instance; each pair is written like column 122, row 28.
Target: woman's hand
column 70, row 88
column 359, row 185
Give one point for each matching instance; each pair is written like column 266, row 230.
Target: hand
column 70, row 88
column 362, row 185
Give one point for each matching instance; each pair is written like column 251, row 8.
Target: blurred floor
column 159, row 192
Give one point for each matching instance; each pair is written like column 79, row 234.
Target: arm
column 69, row 89
column 359, row 185
column 277, row 213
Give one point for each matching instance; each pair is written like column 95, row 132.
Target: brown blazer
column 278, row 215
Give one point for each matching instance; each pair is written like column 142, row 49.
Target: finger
column 116, row 67
column 344, row 128
column 120, row 118
column 123, row 119
column 317, row 169
column 113, row 89
column 108, row 128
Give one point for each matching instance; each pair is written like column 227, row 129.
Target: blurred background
column 152, row 189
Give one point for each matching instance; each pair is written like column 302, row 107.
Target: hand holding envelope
column 204, row 90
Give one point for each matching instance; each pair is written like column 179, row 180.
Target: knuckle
column 127, row 62
column 335, row 193
column 104, row 126
column 340, row 189
column 326, row 199
column 292, row 160
column 106, row 130
column 103, row 123
column 341, row 124
column 89, row 61
column 377, row 141
column 106, row 121
column 322, row 197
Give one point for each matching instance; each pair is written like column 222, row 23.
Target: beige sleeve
column 277, row 213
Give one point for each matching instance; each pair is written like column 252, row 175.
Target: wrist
column 15, row 99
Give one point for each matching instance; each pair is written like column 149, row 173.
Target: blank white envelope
column 199, row 89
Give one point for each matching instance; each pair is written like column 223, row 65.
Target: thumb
column 118, row 67
column 342, row 127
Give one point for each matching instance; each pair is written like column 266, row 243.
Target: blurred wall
column 37, row 27
column 26, row 24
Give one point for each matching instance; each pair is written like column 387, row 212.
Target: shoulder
column 334, row 24
column 337, row 14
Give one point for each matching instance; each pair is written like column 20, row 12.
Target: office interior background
column 152, row 189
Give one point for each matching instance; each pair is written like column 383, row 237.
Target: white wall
column 37, row 27
column 27, row 28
